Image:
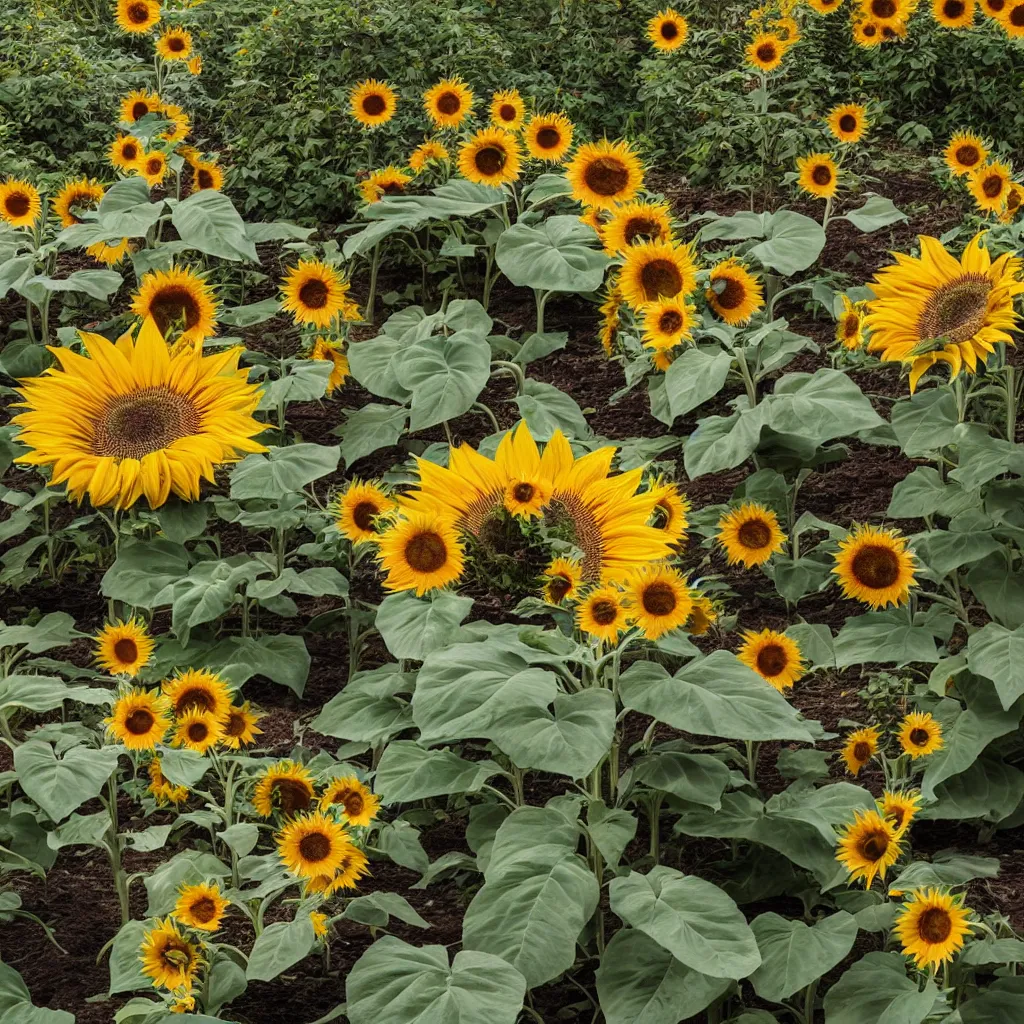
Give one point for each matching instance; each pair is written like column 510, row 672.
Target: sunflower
column 207, row 177
column 325, row 350
column 596, row 218
column 181, row 124
column 352, row 867
column 824, row 6
column 137, row 16
column 111, row 255
column 874, row 566
column 773, row 656
column 702, row 616
column 424, row 153
column 124, row 648
column 635, row 222
column 81, row 194
column 312, row 845
column 198, row 730
column 388, row 181
column 548, row 137
column 671, row 510
column 178, row 299
column 1013, row 203
column 920, row 735
column 604, row 173
column 869, row 846
column 200, row 906
column 421, row 552
column 656, row 270
column 733, row 292
column 527, row 496
column 160, row 788
column 899, row 806
column 507, row 109
column 286, row 786
column 667, row 323
column 139, row 719
column 851, row 323
column 198, row 690
column 19, row 203
column 787, row 30
column 819, row 175
column 602, row 614
column 750, row 534
column 848, row 122
column 491, row 157
column 1013, row 20
column 667, row 30
column 314, row 293
column 359, row 803
column 932, row 926
column 137, row 104
column 990, row 185
column 372, row 102
column 765, row 51
column 175, row 44
column 859, row 747
column 168, row 957
column 448, row 103
column 562, row 579
column 356, row 511
column 195, row 65
column 241, row 728
column 661, row 361
column 965, row 152
column 133, row 420
column 658, row 600
column 885, row 12
column 896, row 31
column 995, row 9
column 153, row 167
column 610, row 321
column 867, row 33
column 936, row 309
column 953, row 13
column 183, row 1004
column 125, row 153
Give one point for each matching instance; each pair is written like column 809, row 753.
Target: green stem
column 114, row 849
column 371, row 298
column 514, row 369
column 753, row 750
column 1011, row 403
column 541, row 297
column 810, row 995
column 748, row 381
column 655, row 817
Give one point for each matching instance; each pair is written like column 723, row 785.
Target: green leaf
column 555, row 255
column 282, row 470
column 282, row 659
column 251, row 314
column 408, row 772
column 877, row 989
column 371, row 428
column 925, row 422
column 997, row 653
column 97, row 284
column 183, row 767
column 982, row 457
column 306, row 381
column 125, row 968
column 888, row 637
column 1000, row 588
column 694, row 378
column 44, row 693
column 377, row 908
column 125, row 211
column 946, row 868
column 695, row 778
column 793, row 243
column 691, row 918
column 81, row 830
column 537, row 346
column 925, row 493
column 993, row 951
column 998, row 1004
column 142, row 570
column 186, row 868
column 209, row 222
column 60, row 785
column 401, row 842
column 640, row 982
column 374, row 364
column 280, row 946
column 401, row 984
column 546, row 409
column 55, row 629
column 183, row 520
column 794, row 955
column 989, row 789
column 413, row 627
column 367, row 710
column 611, row 828
column 877, row 212
column 945, row 550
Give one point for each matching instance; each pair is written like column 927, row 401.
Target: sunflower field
column 511, row 514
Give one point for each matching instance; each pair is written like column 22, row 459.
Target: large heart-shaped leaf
column 209, row 222
column 557, row 255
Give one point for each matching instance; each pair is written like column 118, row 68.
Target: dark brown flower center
column 897, row 815
column 133, row 425
column 181, row 961
column 204, row 910
column 313, row 294
column 870, row 31
column 490, row 160
column 732, row 295
column 883, row 9
column 154, row 165
column 754, row 534
column 1016, row 17
column 659, row 598
column 771, row 660
column 374, row 104
column 851, row 324
column 953, row 9
column 641, row 228
column 669, row 30
column 129, row 151
column 822, row 174
column 876, row 567
column 176, row 44
column 315, row 847
column 198, row 731
column 523, row 492
column 992, row 185
column 507, row 112
column 604, row 612
column 548, row 138
column 449, row 103
column 874, row 846
column 861, row 751
column 139, row 110
column 236, row 724
column 139, row 722
column 670, row 321
column 18, row 204
column 353, row 802
column 126, row 650
column 766, row 53
column 204, row 178
column 847, row 123
column 192, row 699
column 558, row 587
column 996, row 5
column 364, row 514
column 426, row 552
column 138, row 14
column 935, row 925
column 293, row 795
column 660, row 277
column 606, row 175
column 919, row 737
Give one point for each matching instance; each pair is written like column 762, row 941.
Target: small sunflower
column 198, row 690
column 702, row 616
column 667, row 30
column 207, row 177
column 421, row 552
column 124, row 648
column 867, row 33
column 108, row 254
column 490, row 157
column 332, row 352
column 200, row 906
column 314, row 293
column 859, row 747
column 1013, row 203
column 819, row 175
column 920, row 735
column 990, row 185
column 848, row 122
column 286, row 786
column 312, row 845
column 667, row 323
column 750, row 534
column 181, row 123
column 527, row 496
column 359, row 803
column 604, row 173
column 353, row 866
column 787, row 30
column 671, row 510
column 874, row 566
column 932, row 926
column 658, row 600
column 372, row 102
column 733, row 292
column 965, row 152
column 388, row 181
column 765, row 51
column 635, row 222
column 162, row 790
column 76, row 195
column 953, row 13
column 153, row 167
column 198, row 730
column 610, row 320
column 358, row 509
column 137, row 16
column 869, row 846
column 19, row 203
column 773, row 656
column 321, row 924
column 899, row 807
column 195, row 65
column 137, row 104
column 241, row 727
column 602, row 614
column 507, row 109
column 851, row 323
column 424, row 153
column 656, row 270
column 562, row 579
column 168, row 958
column 139, row 719
column 548, row 137
column 175, row 44
column 125, row 153
column 824, row 6
column 448, row 103
column 178, row 299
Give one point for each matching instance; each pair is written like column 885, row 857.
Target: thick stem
column 748, row 381
column 371, row 298
column 114, row 852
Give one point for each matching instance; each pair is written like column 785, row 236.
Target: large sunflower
column 175, row 44
column 604, row 173
column 200, row 906
column 241, row 727
column 965, row 152
column 733, row 292
column 859, row 747
column 602, row 614
column 635, row 222
column 372, row 102
column 124, row 648
column 178, row 299
column 359, row 804
column 765, row 51
column 656, row 270
column 133, row 420
column 900, row 806
column 125, row 153
column 562, row 579
column 424, row 153
column 314, row 293
column 819, row 175
column 19, row 203
column 937, row 309
column 667, row 323
column 851, row 323
column 848, row 122
column 885, row 12
column 448, row 103
column 932, row 926
column 76, row 195
column 953, row 13
column 667, row 30
column 990, row 184
column 286, row 786
column 490, row 157
column 421, row 552
column 1013, row 20
column 548, row 137
column 920, row 734
column 137, row 16
column 168, row 958
column 658, row 600
column 773, row 656
column 874, row 566
column 750, row 534
column 198, row 690
column 313, row 845
column 198, row 731
column 137, row 104
column 139, row 719
column 388, row 181
column 507, row 109
column 326, row 351
column 357, row 510
column 869, row 846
